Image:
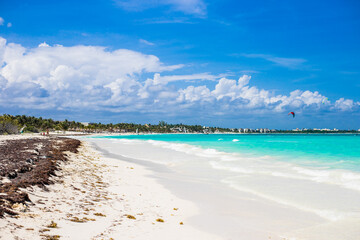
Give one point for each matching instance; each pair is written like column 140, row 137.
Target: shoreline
column 97, row 197
column 229, row 133
column 112, row 189
column 231, row 212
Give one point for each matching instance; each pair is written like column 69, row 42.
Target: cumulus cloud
column 193, row 7
column 346, row 104
column 95, row 78
column 89, row 75
column 193, row 94
column 240, row 95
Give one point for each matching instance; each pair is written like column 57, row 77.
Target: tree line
column 10, row 124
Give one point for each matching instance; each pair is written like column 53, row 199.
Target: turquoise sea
column 316, row 174
column 331, row 151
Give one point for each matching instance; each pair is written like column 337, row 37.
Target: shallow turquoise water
column 328, row 151
column 312, row 173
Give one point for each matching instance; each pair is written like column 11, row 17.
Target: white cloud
column 2, row 22
column 189, row 6
column 84, row 75
column 284, row 62
column 242, row 96
column 191, row 77
column 193, row 7
column 146, row 42
column 346, row 104
column 44, row 44
column 192, row 94
column 166, row 20
column 94, row 78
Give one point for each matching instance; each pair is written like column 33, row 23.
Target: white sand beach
column 244, row 213
column 95, row 197
column 136, row 190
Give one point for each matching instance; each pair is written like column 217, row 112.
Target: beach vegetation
column 35, row 125
column 52, row 225
column 29, row 163
column 100, row 214
column 13, row 124
column 51, row 237
column 8, row 125
column 81, row 220
column 160, row 220
column 130, row 216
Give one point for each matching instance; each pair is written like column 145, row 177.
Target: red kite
column 292, row 114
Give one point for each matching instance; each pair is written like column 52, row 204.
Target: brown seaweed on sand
column 29, row 162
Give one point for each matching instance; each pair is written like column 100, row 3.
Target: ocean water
column 327, row 151
column 314, row 173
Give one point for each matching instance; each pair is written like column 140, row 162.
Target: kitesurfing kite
column 292, row 114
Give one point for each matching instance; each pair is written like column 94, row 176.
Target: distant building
column 206, row 130
column 241, row 130
column 176, row 129
column 264, row 130
column 85, row 124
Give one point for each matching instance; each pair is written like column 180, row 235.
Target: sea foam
column 266, row 165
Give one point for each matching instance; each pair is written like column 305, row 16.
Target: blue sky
column 226, row 63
